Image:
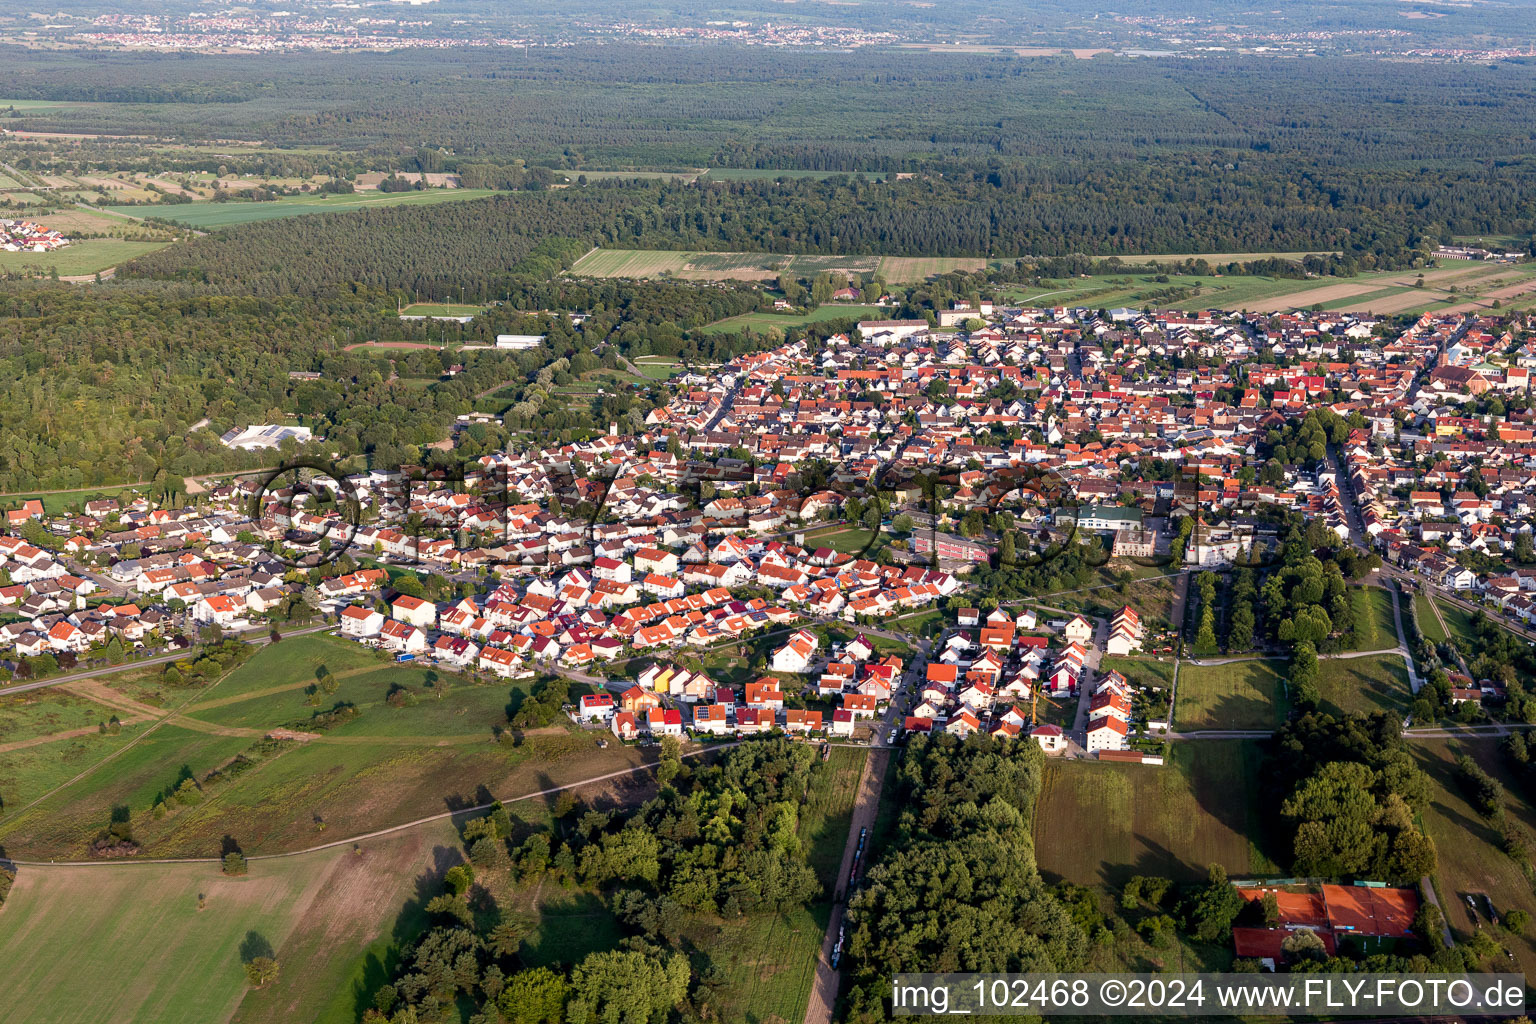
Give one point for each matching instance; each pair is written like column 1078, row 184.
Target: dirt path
column 54, row 737
column 391, row 830
column 101, row 693
column 866, row 806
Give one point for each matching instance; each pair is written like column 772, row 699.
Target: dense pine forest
column 898, row 153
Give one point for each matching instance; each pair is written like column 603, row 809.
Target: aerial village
column 765, row 556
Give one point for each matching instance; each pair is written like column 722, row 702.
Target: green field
column 386, row 765
column 88, row 256
column 1364, row 685
column 761, row 266
column 1240, row 695
column 1099, row 823
column 1375, row 628
column 658, row 367
column 768, row 323
column 1471, row 857
column 1429, row 625
column 441, row 309
column 159, row 957
column 1143, row 671
column 208, row 215
column 769, row 174
column 847, row 541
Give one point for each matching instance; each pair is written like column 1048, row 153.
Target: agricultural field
column 771, row 323
column 908, row 269
column 759, row 266
column 1472, row 861
column 385, row 765
column 209, row 215
column 770, row 174
column 1375, row 628
column 1238, row 695
column 169, row 939
column 89, row 256
column 1377, row 682
column 1199, row 809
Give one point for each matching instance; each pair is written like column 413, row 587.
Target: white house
column 361, row 622
column 419, row 613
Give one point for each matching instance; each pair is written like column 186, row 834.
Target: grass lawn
column 1375, row 629
column 769, row 322
column 87, row 256
column 1240, row 695
column 1471, row 858
column 1364, row 685
column 658, row 368
column 853, row 540
column 1429, row 624
column 211, row 215
column 62, row 502
column 1100, row 823
column 1141, row 671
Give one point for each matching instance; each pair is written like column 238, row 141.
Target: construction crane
column 1034, row 704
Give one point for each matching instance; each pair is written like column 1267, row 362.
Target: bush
column 234, row 863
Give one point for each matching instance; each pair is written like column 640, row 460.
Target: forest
column 717, row 842
column 956, row 888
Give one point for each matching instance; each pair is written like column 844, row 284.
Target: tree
column 1515, row 921
column 902, row 523
column 234, row 863
column 671, row 760
column 410, row 586
column 261, row 971
column 627, row 987
column 1303, row 944
column 1216, row 906
column 1304, row 672
column 535, row 996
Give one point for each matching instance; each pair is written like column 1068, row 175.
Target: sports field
column 755, row 266
column 441, row 309
column 1099, row 823
column 210, row 215
column 1239, row 695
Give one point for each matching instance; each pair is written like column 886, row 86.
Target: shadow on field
column 409, row 924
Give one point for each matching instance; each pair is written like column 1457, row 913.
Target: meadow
column 1100, row 823
column 1375, row 627
column 88, row 256
column 759, row 266
column 1471, row 856
column 771, row 323
column 1239, row 695
column 210, row 215
column 385, row 765
column 1365, row 685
